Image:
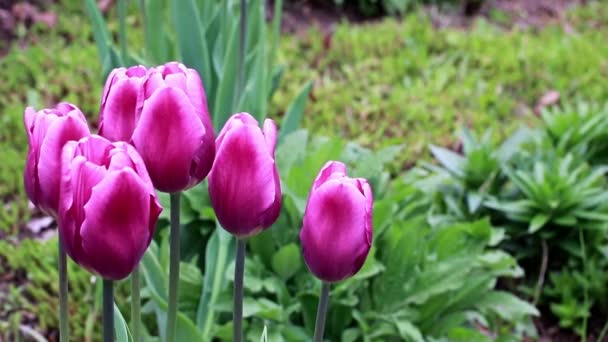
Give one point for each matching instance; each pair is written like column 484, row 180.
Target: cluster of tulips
column 155, row 133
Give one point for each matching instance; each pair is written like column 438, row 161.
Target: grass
column 382, row 83
column 393, row 81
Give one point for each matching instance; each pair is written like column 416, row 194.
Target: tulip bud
column 108, row 207
column 122, row 95
column 48, row 130
column 337, row 233
column 163, row 113
column 244, row 184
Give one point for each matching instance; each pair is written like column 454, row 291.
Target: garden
column 408, row 170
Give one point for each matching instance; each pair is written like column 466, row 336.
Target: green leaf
column 219, row 253
column 538, row 221
column 295, row 111
column 120, row 327
column 506, row 305
column 191, row 42
column 450, row 160
column 100, row 30
column 408, row 331
column 287, row 261
column 226, row 97
column 154, row 31
column 154, row 274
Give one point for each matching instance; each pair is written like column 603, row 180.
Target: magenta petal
column 118, row 113
column 331, row 169
column 334, row 237
column 242, row 183
column 270, row 134
column 58, row 134
column 167, row 136
column 116, row 229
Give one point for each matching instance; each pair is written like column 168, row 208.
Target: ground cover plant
column 415, row 92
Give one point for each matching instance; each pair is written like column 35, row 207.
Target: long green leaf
column 191, row 42
column 219, row 253
column 100, row 30
column 295, row 112
column 225, row 97
column 154, row 32
column 120, row 327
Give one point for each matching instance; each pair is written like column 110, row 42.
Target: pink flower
column 108, row 207
column 244, row 184
column 163, row 113
column 48, row 130
column 337, row 231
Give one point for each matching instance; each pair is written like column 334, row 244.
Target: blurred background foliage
column 485, row 146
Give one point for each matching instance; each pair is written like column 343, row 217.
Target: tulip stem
column 173, row 267
column 135, row 304
column 108, row 310
column 239, row 270
column 63, row 293
column 322, row 312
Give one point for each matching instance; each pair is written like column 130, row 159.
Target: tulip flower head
column 48, row 130
column 122, row 95
column 244, row 184
column 163, row 113
column 108, row 206
column 336, row 234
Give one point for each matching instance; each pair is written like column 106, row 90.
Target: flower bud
column 108, row 207
column 244, row 184
column 337, row 233
column 48, row 130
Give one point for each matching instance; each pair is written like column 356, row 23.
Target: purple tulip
column 244, row 184
column 337, row 231
column 48, row 130
column 122, row 95
column 108, row 207
column 163, row 113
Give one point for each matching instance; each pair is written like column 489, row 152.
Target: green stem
column 603, row 332
column 581, row 239
column 242, row 49
column 108, row 310
column 63, row 293
column 239, row 270
column 173, row 267
column 135, row 305
column 322, row 312
column 122, row 29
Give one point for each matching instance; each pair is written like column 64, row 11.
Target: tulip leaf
column 153, row 272
column 287, row 261
column 190, row 33
column 100, row 30
column 154, row 32
column 295, row 112
column 120, row 327
column 226, row 89
column 218, row 255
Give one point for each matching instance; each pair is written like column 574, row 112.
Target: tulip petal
column 242, row 181
column 331, row 170
column 334, row 240
column 62, row 130
column 116, row 230
column 167, row 136
column 119, row 110
column 270, row 134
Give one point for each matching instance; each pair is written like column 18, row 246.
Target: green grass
column 382, row 83
column 405, row 82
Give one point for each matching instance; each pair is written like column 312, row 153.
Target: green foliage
column 547, row 188
column 417, row 277
column 393, row 81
